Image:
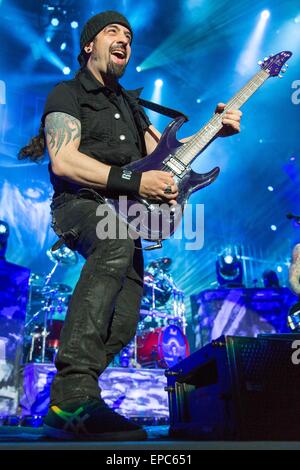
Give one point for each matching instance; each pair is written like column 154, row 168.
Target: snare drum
column 163, row 347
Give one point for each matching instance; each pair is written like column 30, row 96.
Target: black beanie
column 95, row 24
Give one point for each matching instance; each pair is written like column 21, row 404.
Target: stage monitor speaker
column 237, row 388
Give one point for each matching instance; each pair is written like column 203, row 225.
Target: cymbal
column 63, row 256
column 54, row 288
column 62, row 288
column 160, row 263
column 36, row 279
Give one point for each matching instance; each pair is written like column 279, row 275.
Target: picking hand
column 159, row 185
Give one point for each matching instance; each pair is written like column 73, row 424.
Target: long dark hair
column 35, row 149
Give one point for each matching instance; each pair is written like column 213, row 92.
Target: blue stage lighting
column 55, row 21
column 74, row 24
column 66, row 70
column 198, row 100
column 63, row 46
column 4, row 230
column 274, row 228
column 228, row 259
column 249, row 54
column 48, row 39
column 139, row 69
column 265, row 14
column 270, row 188
column 229, row 268
column 159, row 82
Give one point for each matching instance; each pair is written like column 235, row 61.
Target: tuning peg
column 271, row 55
column 266, row 58
column 260, row 62
column 286, row 65
column 280, row 76
column 283, row 70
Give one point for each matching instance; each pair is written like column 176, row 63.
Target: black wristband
column 123, row 181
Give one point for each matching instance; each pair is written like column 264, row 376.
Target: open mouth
column 119, row 56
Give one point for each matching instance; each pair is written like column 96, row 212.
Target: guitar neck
column 190, row 150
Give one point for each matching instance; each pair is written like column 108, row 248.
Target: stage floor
column 26, row 438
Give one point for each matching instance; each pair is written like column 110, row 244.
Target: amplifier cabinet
column 237, row 388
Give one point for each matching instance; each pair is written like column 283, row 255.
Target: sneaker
column 90, row 419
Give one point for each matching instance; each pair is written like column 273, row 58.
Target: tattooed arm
column 63, row 134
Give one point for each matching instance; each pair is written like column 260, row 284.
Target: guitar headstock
column 273, row 64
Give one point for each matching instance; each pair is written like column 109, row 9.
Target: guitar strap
column 158, row 108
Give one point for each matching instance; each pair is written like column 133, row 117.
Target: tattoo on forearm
column 61, row 129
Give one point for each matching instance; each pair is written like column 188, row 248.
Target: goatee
column 115, row 70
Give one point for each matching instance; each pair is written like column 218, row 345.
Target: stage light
column 156, row 97
column 229, row 268
column 159, row 83
column 198, row 100
column 48, row 39
column 4, row 234
column 38, row 43
column 297, row 19
column 228, row 259
column 74, row 24
column 55, row 21
column 274, row 228
column 248, row 58
column 265, row 14
column 4, row 230
column 279, row 269
column 270, row 188
column 139, row 69
column 66, row 70
column 63, row 46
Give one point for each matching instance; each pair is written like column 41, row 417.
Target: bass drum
column 163, row 347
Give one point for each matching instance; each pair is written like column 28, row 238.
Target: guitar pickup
column 175, row 165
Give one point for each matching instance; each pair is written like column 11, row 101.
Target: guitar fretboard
column 189, row 151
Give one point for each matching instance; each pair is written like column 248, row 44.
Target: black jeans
column 104, row 309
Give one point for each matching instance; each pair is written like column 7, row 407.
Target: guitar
column 155, row 222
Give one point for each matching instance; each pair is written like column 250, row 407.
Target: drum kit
column 160, row 341
column 46, row 310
